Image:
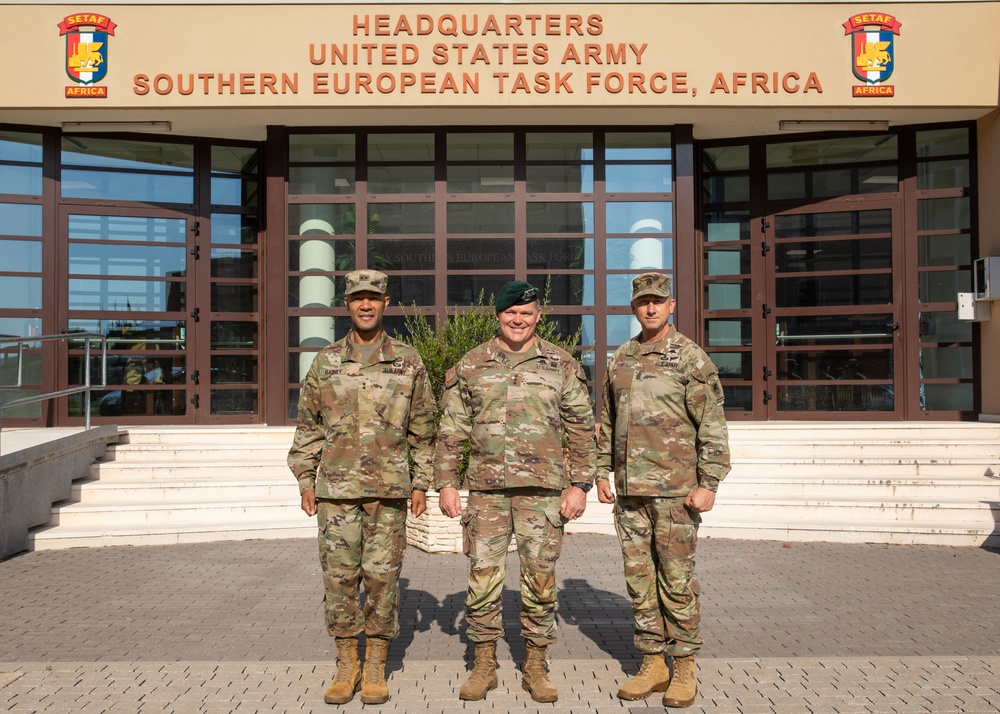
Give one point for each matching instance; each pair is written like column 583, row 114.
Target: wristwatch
column 585, row 487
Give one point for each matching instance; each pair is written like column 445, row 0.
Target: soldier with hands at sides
column 518, row 399
column 663, row 434
column 366, row 405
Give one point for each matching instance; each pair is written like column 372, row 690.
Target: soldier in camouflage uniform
column 518, row 399
column 663, row 434
column 365, row 406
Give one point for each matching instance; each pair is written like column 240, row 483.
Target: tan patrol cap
column 651, row 284
column 366, row 280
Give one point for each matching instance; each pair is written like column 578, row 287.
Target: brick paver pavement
column 237, row 627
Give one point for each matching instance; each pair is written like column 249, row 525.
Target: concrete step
column 801, row 486
column 158, row 453
column 190, row 470
column 799, row 432
column 873, row 468
column 779, row 510
column 985, row 449
column 233, row 509
column 163, row 490
column 57, row 538
column 210, row 435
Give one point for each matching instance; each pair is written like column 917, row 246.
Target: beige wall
column 989, row 244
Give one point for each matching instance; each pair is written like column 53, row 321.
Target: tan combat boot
column 536, row 676
column 373, row 687
column 653, row 676
column 348, row 678
column 483, row 677
column 684, row 686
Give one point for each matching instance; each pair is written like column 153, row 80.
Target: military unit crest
column 873, row 54
column 86, row 58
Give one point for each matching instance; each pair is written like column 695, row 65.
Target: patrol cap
column 516, row 292
column 366, row 280
column 651, row 284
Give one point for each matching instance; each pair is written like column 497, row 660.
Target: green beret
column 516, row 292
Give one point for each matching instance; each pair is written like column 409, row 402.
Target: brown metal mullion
column 273, row 242
column 763, row 286
column 55, row 284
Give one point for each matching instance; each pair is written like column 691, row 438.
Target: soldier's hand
column 450, row 502
column 701, row 500
column 309, row 503
column 604, row 492
column 418, row 503
column 574, row 503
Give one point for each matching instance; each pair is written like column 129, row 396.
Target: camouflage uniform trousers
column 362, row 540
column 658, row 537
column 532, row 516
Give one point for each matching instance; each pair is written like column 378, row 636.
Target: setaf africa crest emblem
column 86, row 59
column 873, row 55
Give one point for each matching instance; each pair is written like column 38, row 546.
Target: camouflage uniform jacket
column 356, row 420
column 516, row 411
column 663, row 430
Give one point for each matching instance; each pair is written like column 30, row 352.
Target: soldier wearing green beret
column 663, row 434
column 518, row 399
column 365, row 407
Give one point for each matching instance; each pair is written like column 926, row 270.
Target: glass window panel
column 127, row 260
column 324, row 180
column 842, row 364
column 26, row 411
column 20, row 146
column 727, row 226
column 480, row 179
column 568, row 325
column 725, row 158
column 731, row 260
column 946, row 362
column 619, row 288
column 127, row 228
column 833, row 329
column 233, row 298
column 952, row 173
column 815, row 225
column 640, row 217
column 943, row 142
column 480, row 254
column 233, row 401
column 637, row 146
column 727, row 295
column 621, row 329
column 21, row 256
column 31, row 366
column 944, row 327
column 400, row 218
column 561, row 254
column 126, row 295
column 560, row 217
column 401, row 147
column 560, row 146
column 316, row 291
column 234, row 335
column 400, row 179
column 943, row 285
column 322, row 219
column 944, row 250
column 809, row 256
column 134, row 368
column 21, row 180
column 560, row 179
column 302, row 332
column 832, row 182
column 18, row 293
column 640, row 253
column 738, row 397
column 238, row 160
column 408, row 290
column 234, row 369
column 234, row 191
column 726, row 189
column 316, row 148
column 832, row 150
column 829, row 290
column 19, row 326
column 233, row 263
column 393, row 254
column 480, row 146
column 565, row 289
column 152, row 188
column 943, row 213
column 20, row 219
column 326, row 255
column 727, row 332
column 733, row 365
column 639, row 178
column 870, row 398
column 146, row 335
column 90, row 150
column 234, row 229
column 947, row 397
column 494, row 217
column 466, row 289
column 132, row 402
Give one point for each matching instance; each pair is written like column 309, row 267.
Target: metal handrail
column 87, row 337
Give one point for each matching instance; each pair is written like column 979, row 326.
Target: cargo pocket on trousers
column 466, row 520
column 556, row 518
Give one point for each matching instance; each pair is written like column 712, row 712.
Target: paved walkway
column 237, row 627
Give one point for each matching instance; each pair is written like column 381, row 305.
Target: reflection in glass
column 954, row 362
column 492, row 217
column 733, row 365
column 832, row 182
column 640, row 217
column 832, row 150
column 20, row 146
column 621, row 329
column 480, row 179
column 565, row 289
column 321, row 180
column 234, row 229
column 20, row 327
column 480, row 146
column 401, row 147
column 401, row 254
column 96, row 151
column 316, row 290
column 233, row 401
column 234, row 335
column 727, row 332
column 21, row 256
column 412, row 218
column 234, row 263
column 323, row 255
column 400, row 179
column 31, row 365
column 233, row 298
column 466, row 289
column 19, row 219
column 944, row 213
column 129, row 334
column 637, row 146
column 561, row 254
column 954, row 249
column 814, row 256
column 131, row 260
column 944, row 327
column 560, row 146
column 551, row 217
column 408, row 290
column 816, row 225
column 640, row 253
column 738, row 397
column 729, row 260
column 943, row 285
column 322, row 219
column 480, row 254
column 560, row 179
column 727, row 226
column 638, row 178
column 620, row 288
column 725, row 158
column 948, row 397
column 106, row 185
column 726, row 189
column 21, row 180
column 727, row 295
column 318, row 148
column 950, row 173
column 127, row 228
column 234, row 191
column 834, row 329
column 126, row 295
column 943, row 142
column 840, row 364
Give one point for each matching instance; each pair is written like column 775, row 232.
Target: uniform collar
column 661, row 346
column 496, row 353
column 384, row 354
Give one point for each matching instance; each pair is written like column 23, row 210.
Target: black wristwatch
column 585, row 487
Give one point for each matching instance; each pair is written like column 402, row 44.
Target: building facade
column 194, row 181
